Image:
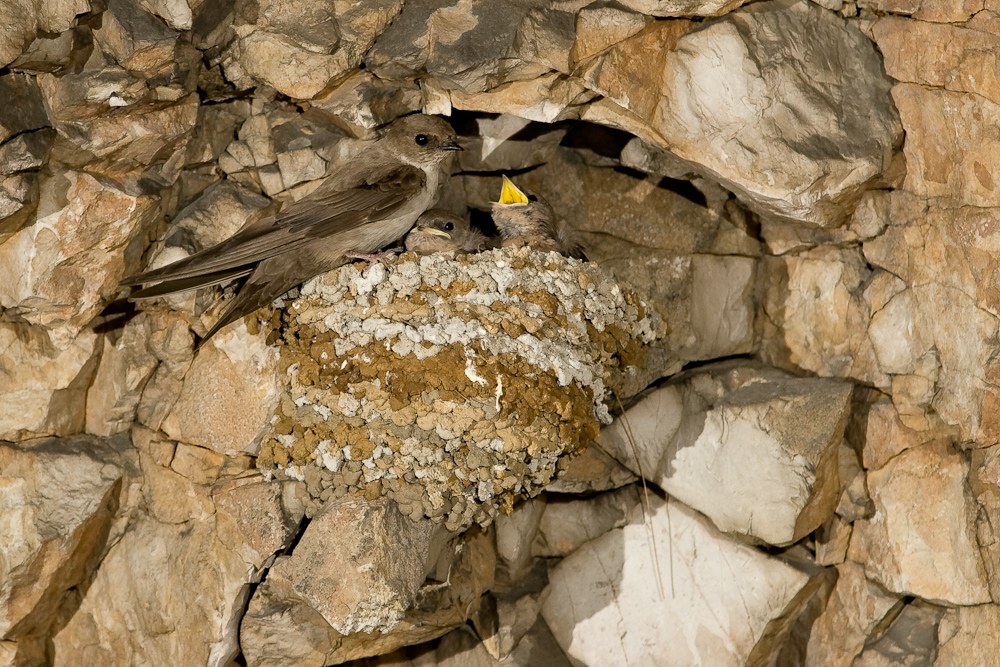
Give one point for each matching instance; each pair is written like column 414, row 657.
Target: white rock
column 753, row 448
column 724, row 594
column 566, row 525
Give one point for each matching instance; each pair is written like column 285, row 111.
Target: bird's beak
column 452, row 146
column 435, row 232
column 510, row 194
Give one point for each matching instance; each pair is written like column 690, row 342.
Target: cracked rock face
column 450, row 385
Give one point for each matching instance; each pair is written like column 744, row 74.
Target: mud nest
column 451, row 385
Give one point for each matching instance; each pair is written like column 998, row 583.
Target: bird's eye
column 421, row 139
column 448, row 226
column 532, row 198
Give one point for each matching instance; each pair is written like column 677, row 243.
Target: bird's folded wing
column 319, row 215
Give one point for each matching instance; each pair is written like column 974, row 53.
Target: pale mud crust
column 451, row 385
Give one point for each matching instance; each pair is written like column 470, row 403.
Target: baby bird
column 524, row 218
column 438, row 230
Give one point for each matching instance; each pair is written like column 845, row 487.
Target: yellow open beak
column 435, row 232
column 510, row 194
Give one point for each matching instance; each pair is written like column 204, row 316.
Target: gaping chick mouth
column 510, row 194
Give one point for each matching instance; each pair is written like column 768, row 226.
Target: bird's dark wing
column 327, row 211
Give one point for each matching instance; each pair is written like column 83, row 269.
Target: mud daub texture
column 451, row 385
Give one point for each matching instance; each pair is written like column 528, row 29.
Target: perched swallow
column 524, row 218
column 438, row 230
column 362, row 206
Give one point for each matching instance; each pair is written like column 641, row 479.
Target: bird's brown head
column 422, row 140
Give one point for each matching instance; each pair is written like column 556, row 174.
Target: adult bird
column 362, row 206
column 439, row 230
column 524, row 218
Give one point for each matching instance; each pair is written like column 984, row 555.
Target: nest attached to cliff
column 451, row 385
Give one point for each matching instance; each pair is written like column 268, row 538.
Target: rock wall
column 804, row 471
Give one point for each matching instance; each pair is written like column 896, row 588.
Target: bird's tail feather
column 185, row 284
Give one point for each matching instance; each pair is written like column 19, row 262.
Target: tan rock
column 63, row 269
column 515, row 535
column 946, row 256
column 18, row 202
column 546, row 99
column 887, row 435
column 963, row 171
column 833, row 539
column 18, row 29
column 699, row 437
column 229, row 394
column 818, row 315
column 136, row 39
column 58, row 499
column 124, row 369
column 751, row 152
column 969, row 636
column 984, row 482
column 940, row 55
column 299, row 47
column 200, row 465
column 177, row 13
column 44, row 382
column 26, row 111
column 566, row 525
column 910, row 640
column 709, row 581
column 854, row 610
column 683, row 7
column 930, row 554
column 942, row 11
column 601, row 26
column 362, row 102
column 164, row 594
column 591, row 470
column 386, row 557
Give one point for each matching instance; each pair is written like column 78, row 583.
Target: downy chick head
column 524, row 218
column 438, row 230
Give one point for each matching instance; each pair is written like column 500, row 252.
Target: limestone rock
column 124, row 368
column 700, row 436
column 230, row 393
column 361, row 566
column 611, row 582
column 44, row 381
column 933, row 555
column 566, row 525
column 18, row 202
column 18, row 29
column 968, row 636
column 63, row 269
column 886, row 435
column 954, row 57
column 515, row 535
column 854, row 610
column 173, row 593
column 26, row 111
column 801, row 177
column 464, row 45
column 591, row 470
column 545, row 99
column 362, row 102
column 137, row 40
column 683, row 7
column 942, row 11
column 818, row 312
column 176, row 13
column 951, row 306
column 912, row 638
column 984, row 482
column 963, row 170
column 299, row 47
column 58, row 499
column 599, row 26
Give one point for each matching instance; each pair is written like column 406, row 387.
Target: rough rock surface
column 715, row 598
column 709, row 438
